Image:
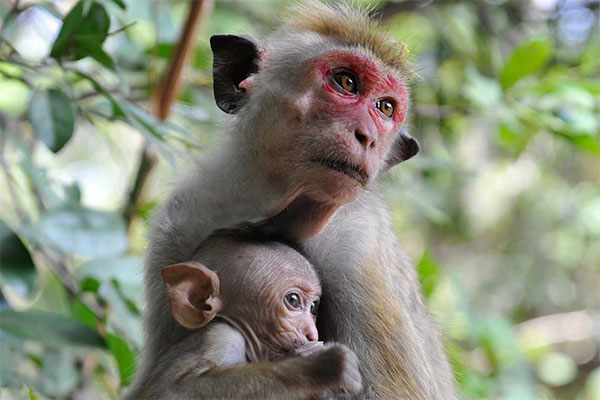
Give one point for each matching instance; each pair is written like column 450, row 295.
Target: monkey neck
column 303, row 218
column 253, row 197
column 255, row 351
column 232, row 184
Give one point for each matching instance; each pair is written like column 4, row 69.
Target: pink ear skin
column 193, row 293
column 247, row 83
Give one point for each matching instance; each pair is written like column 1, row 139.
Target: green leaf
column 127, row 271
column 49, row 328
column 86, row 232
column 482, row 91
column 428, row 272
column 124, row 357
column 83, row 34
column 496, row 336
column 117, row 280
column 70, row 24
column 584, row 142
column 122, row 316
column 16, row 264
column 93, row 49
column 82, row 313
column 53, row 118
column 515, row 134
column 526, row 59
column 14, row 96
column 96, row 22
column 32, row 395
column 120, row 3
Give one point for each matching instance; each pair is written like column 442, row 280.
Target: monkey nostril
column 362, row 139
column 366, row 141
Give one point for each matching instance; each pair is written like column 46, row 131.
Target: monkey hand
column 307, row 349
column 338, row 363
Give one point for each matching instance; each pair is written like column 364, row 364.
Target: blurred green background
column 500, row 211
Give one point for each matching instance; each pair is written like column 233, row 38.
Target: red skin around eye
column 374, row 83
column 337, row 139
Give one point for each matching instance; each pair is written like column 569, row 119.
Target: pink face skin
column 331, row 141
column 359, row 109
column 283, row 318
column 269, row 295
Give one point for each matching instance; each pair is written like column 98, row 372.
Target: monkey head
column 324, row 99
column 270, row 295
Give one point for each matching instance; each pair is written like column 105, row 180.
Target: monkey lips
column 352, row 170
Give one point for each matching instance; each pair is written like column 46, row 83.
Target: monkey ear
column 235, row 58
column 193, row 292
column 404, row 147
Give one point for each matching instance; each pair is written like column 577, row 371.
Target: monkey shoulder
column 216, row 344
column 223, row 344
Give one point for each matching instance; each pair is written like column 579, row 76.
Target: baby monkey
column 262, row 312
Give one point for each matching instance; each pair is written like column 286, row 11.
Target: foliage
column 503, row 211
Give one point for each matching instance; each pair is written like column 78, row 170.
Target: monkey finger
column 307, row 349
column 351, row 379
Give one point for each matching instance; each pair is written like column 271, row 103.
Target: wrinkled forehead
column 286, row 265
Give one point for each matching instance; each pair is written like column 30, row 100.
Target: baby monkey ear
column 193, row 293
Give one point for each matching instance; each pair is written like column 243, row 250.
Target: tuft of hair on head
column 351, row 26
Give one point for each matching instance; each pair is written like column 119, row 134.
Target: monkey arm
column 212, row 364
column 291, row 378
column 367, row 277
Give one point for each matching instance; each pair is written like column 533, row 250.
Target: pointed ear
column 193, row 292
column 404, row 147
column 235, row 58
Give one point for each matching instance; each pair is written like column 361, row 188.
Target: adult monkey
column 318, row 109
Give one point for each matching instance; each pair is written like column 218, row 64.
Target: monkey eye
column 314, row 307
column 386, row 107
column 346, row 81
column 293, row 299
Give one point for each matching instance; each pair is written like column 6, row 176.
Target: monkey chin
column 336, row 187
column 336, row 191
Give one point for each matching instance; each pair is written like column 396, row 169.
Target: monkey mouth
column 352, row 170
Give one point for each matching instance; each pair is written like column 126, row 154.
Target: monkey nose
column 311, row 333
column 366, row 140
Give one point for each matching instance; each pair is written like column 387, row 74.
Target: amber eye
column 346, row 81
column 314, row 307
column 386, row 107
column 293, row 299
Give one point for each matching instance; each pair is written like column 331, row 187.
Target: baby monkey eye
column 346, row 81
column 314, row 307
column 293, row 299
column 386, row 107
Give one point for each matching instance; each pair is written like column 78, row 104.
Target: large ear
column 193, row 292
column 235, row 58
column 404, row 147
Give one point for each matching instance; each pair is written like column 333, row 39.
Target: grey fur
column 226, row 188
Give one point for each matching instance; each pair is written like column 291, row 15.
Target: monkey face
column 335, row 133
column 290, row 321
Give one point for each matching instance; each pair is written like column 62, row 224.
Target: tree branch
column 163, row 99
column 169, row 88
